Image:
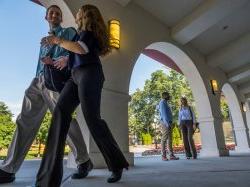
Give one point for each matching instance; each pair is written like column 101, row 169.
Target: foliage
column 143, row 111
column 7, row 126
column 43, row 132
column 224, row 109
column 147, row 139
column 176, row 136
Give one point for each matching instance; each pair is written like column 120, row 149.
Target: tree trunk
column 39, row 149
column 155, row 137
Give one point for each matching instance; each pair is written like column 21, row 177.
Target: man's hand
column 194, row 126
column 47, row 60
column 50, row 40
column 61, row 62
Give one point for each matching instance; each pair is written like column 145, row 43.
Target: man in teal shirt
column 37, row 100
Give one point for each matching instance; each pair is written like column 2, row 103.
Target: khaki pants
column 37, row 100
column 166, row 136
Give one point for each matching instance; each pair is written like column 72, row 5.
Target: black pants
column 187, row 133
column 84, row 88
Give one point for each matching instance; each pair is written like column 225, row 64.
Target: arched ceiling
column 162, row 58
column 218, row 29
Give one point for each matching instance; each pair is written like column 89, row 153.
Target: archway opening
column 164, row 53
column 227, row 123
column 237, row 121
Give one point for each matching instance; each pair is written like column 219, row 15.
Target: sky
column 22, row 26
column 142, row 71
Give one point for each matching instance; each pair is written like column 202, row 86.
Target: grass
column 33, row 152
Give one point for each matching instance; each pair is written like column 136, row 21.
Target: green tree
column 176, row 136
column 142, row 108
column 7, row 126
column 178, row 87
column 43, row 132
column 224, row 108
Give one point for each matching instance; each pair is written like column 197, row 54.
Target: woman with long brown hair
column 83, row 88
column 187, row 123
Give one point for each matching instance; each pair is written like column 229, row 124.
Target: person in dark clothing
column 83, row 88
column 187, row 123
column 36, row 102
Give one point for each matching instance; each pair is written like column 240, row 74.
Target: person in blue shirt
column 166, row 120
column 37, row 100
column 187, row 123
column 84, row 88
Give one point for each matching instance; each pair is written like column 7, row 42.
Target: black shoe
column 83, row 170
column 115, row 176
column 6, row 177
column 172, row 157
column 188, row 156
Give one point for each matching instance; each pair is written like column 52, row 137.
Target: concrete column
column 114, row 110
column 239, row 124
column 242, row 132
column 247, row 104
column 241, row 136
column 241, row 139
column 240, row 128
column 212, row 137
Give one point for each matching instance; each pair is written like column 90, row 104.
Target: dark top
column 92, row 57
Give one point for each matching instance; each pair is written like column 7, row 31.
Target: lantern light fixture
column 114, row 33
column 214, row 86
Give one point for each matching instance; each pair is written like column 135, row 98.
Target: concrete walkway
column 233, row 171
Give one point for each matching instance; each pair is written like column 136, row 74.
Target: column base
column 241, row 149
column 214, row 153
column 98, row 160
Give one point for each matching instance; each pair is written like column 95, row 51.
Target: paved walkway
column 233, row 171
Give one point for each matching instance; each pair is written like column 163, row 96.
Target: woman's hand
column 194, row 126
column 61, row 62
column 47, row 60
column 50, row 40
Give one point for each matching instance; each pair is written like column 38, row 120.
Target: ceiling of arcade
column 219, row 29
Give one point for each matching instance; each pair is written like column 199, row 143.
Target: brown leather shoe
column 164, row 158
column 172, row 157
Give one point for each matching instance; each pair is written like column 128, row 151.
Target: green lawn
column 33, row 152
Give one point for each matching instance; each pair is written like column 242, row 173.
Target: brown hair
column 185, row 101
column 96, row 24
column 53, row 6
column 164, row 94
